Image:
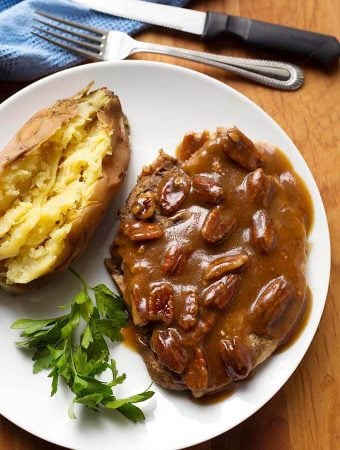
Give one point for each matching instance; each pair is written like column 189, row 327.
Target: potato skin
column 42, row 126
column 32, row 133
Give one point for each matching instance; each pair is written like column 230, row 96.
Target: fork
column 102, row 45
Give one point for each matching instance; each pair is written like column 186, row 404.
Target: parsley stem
column 80, row 278
column 72, row 361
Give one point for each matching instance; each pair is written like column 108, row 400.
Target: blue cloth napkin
column 24, row 56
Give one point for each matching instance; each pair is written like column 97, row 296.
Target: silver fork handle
column 275, row 74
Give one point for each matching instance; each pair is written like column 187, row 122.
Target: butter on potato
column 57, row 176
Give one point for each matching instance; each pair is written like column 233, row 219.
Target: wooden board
column 305, row 414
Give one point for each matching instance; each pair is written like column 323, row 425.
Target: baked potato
column 57, row 176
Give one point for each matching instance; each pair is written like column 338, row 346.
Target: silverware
column 307, row 45
column 113, row 45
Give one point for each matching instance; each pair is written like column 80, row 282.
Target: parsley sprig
column 79, row 364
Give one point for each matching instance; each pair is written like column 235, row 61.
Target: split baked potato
column 57, row 176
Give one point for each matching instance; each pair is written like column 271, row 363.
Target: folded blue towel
column 24, row 56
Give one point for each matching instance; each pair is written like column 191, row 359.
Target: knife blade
column 311, row 46
column 181, row 19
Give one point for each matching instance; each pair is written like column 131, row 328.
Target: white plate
column 162, row 102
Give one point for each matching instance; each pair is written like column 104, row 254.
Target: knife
column 311, row 46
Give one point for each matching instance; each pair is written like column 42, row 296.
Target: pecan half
column 168, row 346
column 236, row 357
column 204, row 326
column 215, row 227
column 188, row 317
column 224, row 264
column 191, row 143
column 142, row 231
column 196, row 374
column 263, row 231
column 174, row 192
column 241, row 150
column 181, row 216
column 161, row 303
column 259, row 187
column 139, row 306
column 207, row 189
column 221, row 293
column 144, row 206
column 175, row 257
column 271, row 303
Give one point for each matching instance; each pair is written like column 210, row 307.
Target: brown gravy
column 297, row 332
column 216, row 271
column 218, row 397
column 130, row 335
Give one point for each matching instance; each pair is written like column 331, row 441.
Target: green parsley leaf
column 110, row 305
column 55, row 378
column 132, row 412
column 114, row 404
column 55, row 348
column 72, row 323
column 92, row 401
column 110, row 328
column 42, row 358
column 116, row 379
column 98, row 346
column 31, row 326
column 80, row 360
column 70, row 411
column 86, row 337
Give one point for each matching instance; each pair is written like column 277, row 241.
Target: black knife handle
column 318, row 47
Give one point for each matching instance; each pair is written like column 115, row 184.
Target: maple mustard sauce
column 210, row 258
column 130, row 335
column 217, row 397
column 300, row 326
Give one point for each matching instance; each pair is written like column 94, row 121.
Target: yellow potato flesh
column 43, row 192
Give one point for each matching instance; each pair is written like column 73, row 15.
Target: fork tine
column 73, row 24
column 77, row 51
column 91, row 37
column 86, row 45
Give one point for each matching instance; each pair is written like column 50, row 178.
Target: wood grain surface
column 305, row 413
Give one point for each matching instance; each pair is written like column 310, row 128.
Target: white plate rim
column 317, row 201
